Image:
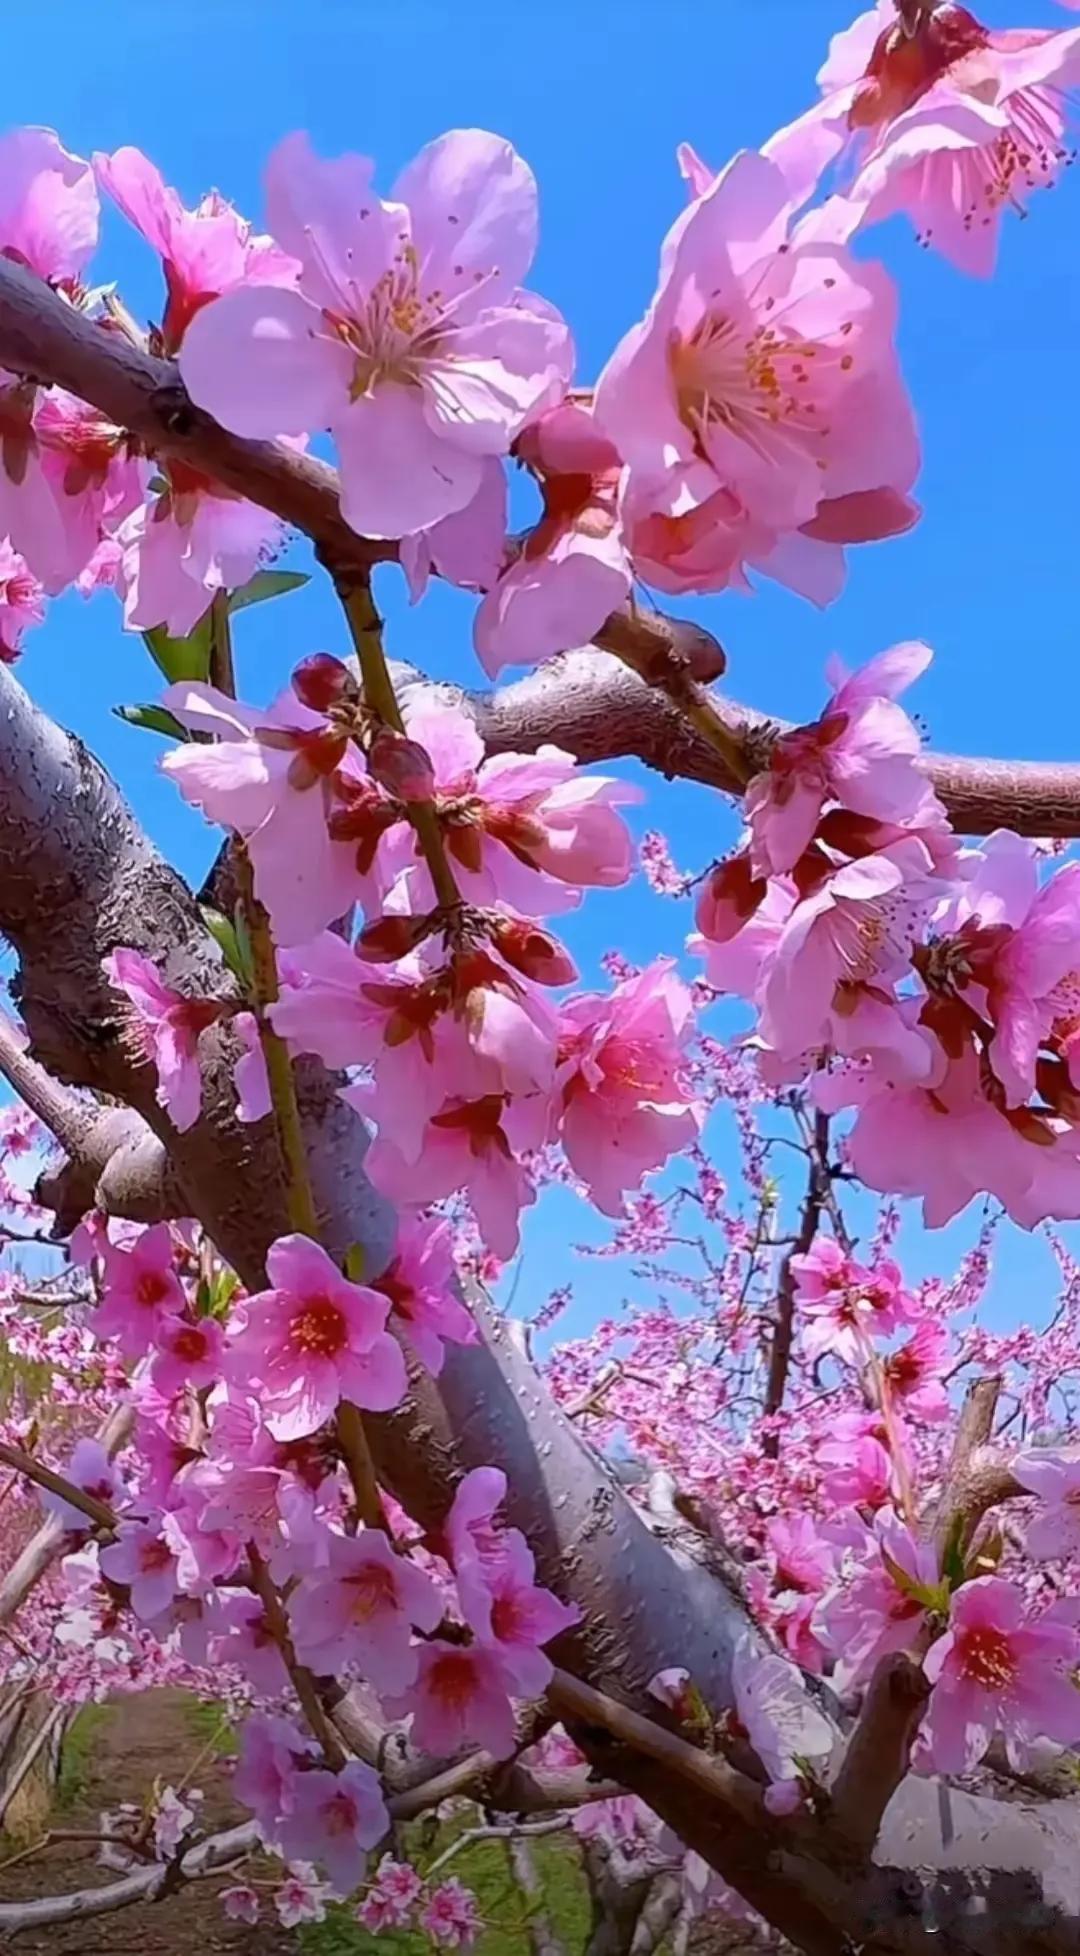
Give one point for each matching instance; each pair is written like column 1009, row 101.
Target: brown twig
column 879, row 1750
column 24, row 1463
column 713, row 1778
column 963, row 1500
column 303, row 1683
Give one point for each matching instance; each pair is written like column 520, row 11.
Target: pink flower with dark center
column 472, row 1534
column 471, row 1145
column 168, row 1028
column 914, row 1371
column 240, row 1904
column 624, row 1103
column 189, row 1353
column 846, row 1304
column 573, row 569
column 361, row 1610
column 333, row 1819
column 761, row 385
column 804, row 1560
column 392, row 1897
column 409, row 337
column 507, row 1611
column 141, row 1559
column 267, row 775
column 301, row 1898
column 883, row 1606
column 205, row 251
column 461, row 1697
column 999, row 1670
column 141, row 1290
column 22, row 602
column 452, row 1916
column 313, row 1339
column 421, row 1285
column 242, row 1637
column 96, row 479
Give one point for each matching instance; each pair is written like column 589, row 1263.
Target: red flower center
column 986, row 1657
column 373, row 1589
column 319, row 1328
column 451, row 1679
column 152, row 1288
column 190, row 1343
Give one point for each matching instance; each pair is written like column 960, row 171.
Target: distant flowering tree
column 765, row 1590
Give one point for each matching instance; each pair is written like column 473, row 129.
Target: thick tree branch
column 596, row 708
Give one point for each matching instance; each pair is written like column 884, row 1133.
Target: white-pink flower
column 461, row 1696
column 141, row 1558
column 507, row 1610
column 168, row 1027
column 1055, row 1478
column 361, row 1610
column 333, row 1819
column 452, row 1916
column 140, row 1291
column 409, row 337
column 999, row 1669
column 191, row 540
column 312, row 1340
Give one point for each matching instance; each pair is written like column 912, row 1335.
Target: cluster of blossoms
column 755, row 421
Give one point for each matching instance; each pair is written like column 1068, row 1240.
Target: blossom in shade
column 141, row 1559
column 240, row 1904
column 333, row 1819
column 472, row 1534
column 192, row 539
column 22, row 602
column 271, row 1750
column 267, row 775
column 241, row 1636
column 573, row 569
column 999, row 1669
column 859, row 1469
column 391, row 1898
column 1055, row 1479
column 771, row 1703
column 301, row 1897
column 883, row 1605
column 507, row 1610
column 140, row 1290
column 761, row 385
column 804, row 1559
column 421, row 1284
column 205, row 251
column 91, row 1470
column 167, row 1027
column 461, row 1696
column 361, row 1609
column 452, row 1916
column 624, row 1106
column 409, row 336
column 313, row 1339
column 862, row 753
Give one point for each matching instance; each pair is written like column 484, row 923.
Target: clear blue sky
column 597, row 97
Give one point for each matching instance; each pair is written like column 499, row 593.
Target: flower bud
column 533, row 951
column 390, row 938
column 322, row 681
column 401, row 766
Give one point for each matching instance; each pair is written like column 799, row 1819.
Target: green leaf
column 156, row 719
column 265, row 585
column 244, row 947
column 224, row 935
column 182, row 658
column 355, row 1263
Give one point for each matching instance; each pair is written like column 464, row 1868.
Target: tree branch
column 597, row 709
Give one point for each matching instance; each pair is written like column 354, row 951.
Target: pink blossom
column 21, row 602
column 48, row 206
column 313, row 1339
column 473, row 1536
column 361, row 1610
column 862, row 753
column 846, row 1304
column 573, row 570
column 141, row 1289
column 625, row 1107
column 408, row 337
column 421, row 1285
column 205, row 251
column 168, row 1028
column 471, row 1145
column 142, row 1559
column 96, row 480
column 1031, row 976
column 780, row 1720
column 242, row 1637
column 461, row 1696
column 884, row 1605
column 508, row 1612
column 267, row 775
column 271, row 1750
column 784, row 1798
column 300, row 1898
column 913, row 1372
column 240, row 1904
column 173, row 1820
column 91, row 1470
column 392, row 1897
column 1055, row 1478
column 452, row 1916
column 525, row 830
column 859, row 1467
column 193, row 539
column 999, row 1669
column 804, row 1559
column 761, row 385
column 333, row 1818
column 189, row 1353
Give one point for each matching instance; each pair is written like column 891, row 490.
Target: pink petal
column 261, row 361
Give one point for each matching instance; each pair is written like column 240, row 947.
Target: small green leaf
column 156, row 719
column 355, row 1263
column 182, row 658
column 265, row 585
column 231, row 940
column 244, row 948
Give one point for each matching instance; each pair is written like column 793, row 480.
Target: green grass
column 77, row 1751
column 210, row 1728
column 483, row 1868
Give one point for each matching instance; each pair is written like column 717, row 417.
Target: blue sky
column 597, row 98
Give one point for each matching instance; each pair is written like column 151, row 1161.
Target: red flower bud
column 390, row 938
column 322, row 681
column 401, row 766
column 533, row 951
